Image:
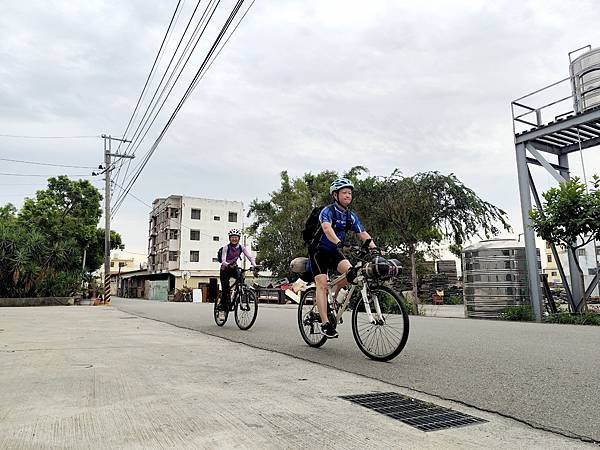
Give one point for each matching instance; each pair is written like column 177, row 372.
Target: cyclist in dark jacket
column 326, row 253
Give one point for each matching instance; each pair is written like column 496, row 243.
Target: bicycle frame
column 236, row 289
column 339, row 309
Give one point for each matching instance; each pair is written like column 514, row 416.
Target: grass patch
column 455, row 300
column 574, row 319
column 516, row 313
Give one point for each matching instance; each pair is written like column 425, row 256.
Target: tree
column 278, row 222
column 95, row 250
column 66, row 208
column 7, row 212
column 422, row 211
column 41, row 247
column 404, row 214
column 570, row 217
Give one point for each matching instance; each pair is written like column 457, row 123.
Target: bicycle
column 243, row 303
column 380, row 323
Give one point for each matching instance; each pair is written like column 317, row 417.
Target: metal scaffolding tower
column 549, row 145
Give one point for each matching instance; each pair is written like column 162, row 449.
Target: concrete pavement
column 97, row 377
column 542, row 374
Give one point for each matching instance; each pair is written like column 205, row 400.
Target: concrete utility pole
column 107, row 169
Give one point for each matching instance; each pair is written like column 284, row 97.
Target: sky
column 302, row 86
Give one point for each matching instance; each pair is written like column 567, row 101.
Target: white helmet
column 340, row 183
column 235, row 232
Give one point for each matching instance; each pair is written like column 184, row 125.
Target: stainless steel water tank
column 495, row 277
column 585, row 80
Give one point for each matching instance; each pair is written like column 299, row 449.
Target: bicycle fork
column 370, row 316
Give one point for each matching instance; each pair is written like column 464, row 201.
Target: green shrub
column 516, row 313
column 574, row 319
column 455, row 300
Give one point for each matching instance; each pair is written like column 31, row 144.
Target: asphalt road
column 542, row 374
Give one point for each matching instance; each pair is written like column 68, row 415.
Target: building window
column 122, row 264
column 194, row 235
column 194, row 256
column 549, row 258
column 217, row 218
column 592, row 271
column 215, row 238
column 173, row 234
column 172, row 256
column 196, row 213
column 174, row 212
column 553, row 274
column 215, row 260
column 112, row 264
column 232, row 216
column 581, row 252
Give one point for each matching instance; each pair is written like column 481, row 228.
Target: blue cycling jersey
column 339, row 225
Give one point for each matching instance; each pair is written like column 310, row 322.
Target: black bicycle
column 380, row 323
column 243, row 303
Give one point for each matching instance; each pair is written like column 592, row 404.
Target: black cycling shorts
column 322, row 261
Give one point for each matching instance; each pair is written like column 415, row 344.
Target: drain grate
column 422, row 415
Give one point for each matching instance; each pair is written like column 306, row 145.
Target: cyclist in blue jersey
column 325, row 252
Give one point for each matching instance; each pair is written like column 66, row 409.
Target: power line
column 152, row 208
column 148, row 113
column 136, row 140
column 174, row 19
column 47, row 137
column 225, row 43
column 181, row 102
column 47, row 175
column 46, row 164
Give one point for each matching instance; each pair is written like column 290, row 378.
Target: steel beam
column 576, row 287
column 571, row 122
column 561, row 270
column 584, row 144
column 537, row 163
column 557, row 176
column 530, row 248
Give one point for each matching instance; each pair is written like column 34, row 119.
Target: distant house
column 587, row 255
column 184, row 236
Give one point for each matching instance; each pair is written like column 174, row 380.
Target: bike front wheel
column 246, row 309
column 216, row 314
column 382, row 336
column 309, row 320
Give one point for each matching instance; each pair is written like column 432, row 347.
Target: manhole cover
column 422, row 415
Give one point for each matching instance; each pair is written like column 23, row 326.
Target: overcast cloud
column 301, row 86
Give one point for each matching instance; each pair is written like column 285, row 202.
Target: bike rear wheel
column 309, row 320
column 385, row 337
column 246, row 309
column 216, row 311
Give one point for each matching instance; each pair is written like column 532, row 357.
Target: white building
column 185, row 234
column 587, row 255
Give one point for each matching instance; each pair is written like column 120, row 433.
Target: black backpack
column 312, row 229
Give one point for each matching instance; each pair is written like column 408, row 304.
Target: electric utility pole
column 107, row 169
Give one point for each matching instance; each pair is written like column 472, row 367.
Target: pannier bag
column 379, row 267
column 299, row 265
